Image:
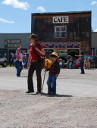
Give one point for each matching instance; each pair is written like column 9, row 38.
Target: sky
column 15, row 15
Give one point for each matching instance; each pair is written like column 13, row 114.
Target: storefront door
column 73, row 52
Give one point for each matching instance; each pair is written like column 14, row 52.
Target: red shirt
column 33, row 56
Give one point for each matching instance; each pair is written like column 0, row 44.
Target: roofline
column 54, row 13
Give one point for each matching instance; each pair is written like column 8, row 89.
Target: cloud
column 95, row 30
column 94, row 3
column 6, row 21
column 41, row 9
column 16, row 4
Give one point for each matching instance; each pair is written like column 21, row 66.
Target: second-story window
column 60, row 31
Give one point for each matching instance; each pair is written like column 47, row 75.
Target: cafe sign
column 12, row 43
column 60, row 19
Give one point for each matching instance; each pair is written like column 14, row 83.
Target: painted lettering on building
column 12, row 43
column 60, row 19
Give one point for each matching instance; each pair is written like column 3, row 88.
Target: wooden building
column 64, row 31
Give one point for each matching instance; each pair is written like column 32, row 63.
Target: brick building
column 65, row 31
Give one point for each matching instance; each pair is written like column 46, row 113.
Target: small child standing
column 53, row 74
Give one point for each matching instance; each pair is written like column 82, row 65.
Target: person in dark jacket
column 81, row 62
column 53, row 74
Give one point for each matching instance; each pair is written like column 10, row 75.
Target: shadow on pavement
column 57, row 95
column 23, row 76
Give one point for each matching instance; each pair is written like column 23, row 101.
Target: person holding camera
column 35, row 59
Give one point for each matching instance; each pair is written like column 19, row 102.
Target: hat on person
column 54, row 54
column 34, row 36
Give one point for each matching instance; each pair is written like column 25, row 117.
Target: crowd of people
column 74, row 63
column 35, row 62
column 71, row 63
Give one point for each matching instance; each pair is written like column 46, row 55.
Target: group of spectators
column 70, row 63
column 35, row 61
column 74, row 63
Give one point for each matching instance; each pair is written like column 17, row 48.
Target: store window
column 60, row 31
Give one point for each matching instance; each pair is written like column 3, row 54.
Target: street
column 74, row 106
column 69, row 82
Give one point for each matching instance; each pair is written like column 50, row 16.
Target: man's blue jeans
column 82, row 67
column 19, row 67
column 51, row 84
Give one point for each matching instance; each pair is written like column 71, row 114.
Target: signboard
column 12, row 43
column 60, row 19
column 73, row 45
column 61, row 45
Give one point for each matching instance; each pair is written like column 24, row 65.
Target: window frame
column 60, row 31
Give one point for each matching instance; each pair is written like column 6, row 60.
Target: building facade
column 94, row 43
column 9, row 42
column 68, row 31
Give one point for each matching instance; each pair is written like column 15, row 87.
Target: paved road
column 70, row 82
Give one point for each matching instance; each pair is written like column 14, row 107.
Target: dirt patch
column 19, row 110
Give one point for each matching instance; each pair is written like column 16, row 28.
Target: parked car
column 3, row 61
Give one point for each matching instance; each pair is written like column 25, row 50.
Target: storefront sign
column 73, row 45
column 12, row 43
column 60, row 19
column 61, row 45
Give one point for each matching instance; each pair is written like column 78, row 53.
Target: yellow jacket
column 47, row 64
